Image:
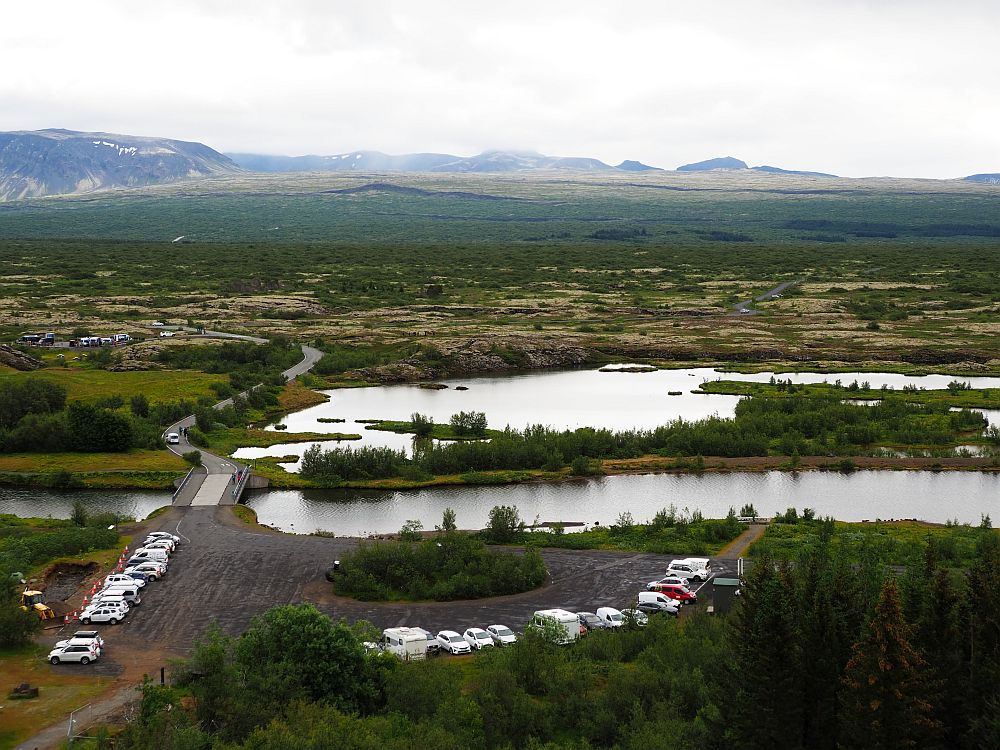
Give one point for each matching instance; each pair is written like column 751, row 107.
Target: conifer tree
column 886, row 703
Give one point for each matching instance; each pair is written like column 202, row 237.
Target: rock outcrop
column 19, row 361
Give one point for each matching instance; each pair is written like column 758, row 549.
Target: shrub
column 193, row 458
column 421, row 425
column 504, row 525
column 468, row 423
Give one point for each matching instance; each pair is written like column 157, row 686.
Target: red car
column 675, row 591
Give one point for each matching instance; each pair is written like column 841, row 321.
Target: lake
column 559, row 399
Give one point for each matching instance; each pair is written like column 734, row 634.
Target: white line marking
column 178, row 530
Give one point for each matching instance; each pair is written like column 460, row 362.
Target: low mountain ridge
column 721, row 162
column 987, row 179
column 52, row 162
column 376, row 161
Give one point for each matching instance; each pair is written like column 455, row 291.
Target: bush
column 468, row 423
column 193, row 458
column 421, row 425
column 79, row 514
column 452, row 566
column 197, row 437
column 505, row 524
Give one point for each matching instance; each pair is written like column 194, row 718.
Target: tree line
column 806, row 425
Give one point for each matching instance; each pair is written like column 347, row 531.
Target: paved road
column 216, row 487
column 746, row 307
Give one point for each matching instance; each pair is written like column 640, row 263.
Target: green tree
column 79, row 514
column 448, row 521
column 504, row 525
column 421, row 425
column 412, row 531
column 16, row 625
column 886, row 704
column 468, row 423
column 139, row 405
column 94, row 429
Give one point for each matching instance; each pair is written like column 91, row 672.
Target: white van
column 409, row 644
column 157, row 555
column 129, row 593
column 173, row 438
column 611, row 617
column 568, row 621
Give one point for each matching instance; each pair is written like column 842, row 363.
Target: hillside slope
column 53, row 162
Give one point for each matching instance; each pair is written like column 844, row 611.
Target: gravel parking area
column 226, row 572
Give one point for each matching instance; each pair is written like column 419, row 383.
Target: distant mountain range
column 376, row 161
column 49, row 162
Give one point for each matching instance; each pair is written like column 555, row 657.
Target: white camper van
column 409, row 644
column 568, row 621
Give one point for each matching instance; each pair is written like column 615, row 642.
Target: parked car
column 478, row 638
column 590, row 621
column 92, row 635
column 103, row 613
column 682, row 594
column 501, row 635
column 688, row 570
column 88, row 642
column 654, row 602
column 159, row 543
column 611, row 617
column 165, row 535
column 635, row 617
column 453, row 643
column 153, row 571
column 123, row 578
column 675, row 580
column 83, row 653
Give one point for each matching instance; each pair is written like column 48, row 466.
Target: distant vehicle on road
column 173, row 438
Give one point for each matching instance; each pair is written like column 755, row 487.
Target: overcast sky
column 888, row 87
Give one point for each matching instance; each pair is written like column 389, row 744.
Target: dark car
column 590, row 621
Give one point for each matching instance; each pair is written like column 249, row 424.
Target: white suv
column 103, row 613
column 83, row 653
column 125, row 579
column 690, row 570
column 452, row 642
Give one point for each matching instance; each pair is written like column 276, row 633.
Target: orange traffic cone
column 75, row 616
column 84, row 602
column 66, row 619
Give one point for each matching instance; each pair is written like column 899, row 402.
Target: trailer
column 408, row 644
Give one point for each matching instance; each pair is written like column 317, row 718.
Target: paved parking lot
column 225, row 572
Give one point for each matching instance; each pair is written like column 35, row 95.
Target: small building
column 724, row 593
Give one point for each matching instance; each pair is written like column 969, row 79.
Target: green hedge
column 20, row 553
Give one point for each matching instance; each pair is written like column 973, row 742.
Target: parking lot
column 225, row 572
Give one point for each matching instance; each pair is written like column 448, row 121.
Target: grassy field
column 157, row 385
column 58, row 694
column 983, row 398
column 138, row 460
column 892, row 273
column 895, row 542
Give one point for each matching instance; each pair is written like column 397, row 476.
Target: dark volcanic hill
column 51, row 162
column 376, row 161
column 722, row 162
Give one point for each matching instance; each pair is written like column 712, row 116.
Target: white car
column 166, row 334
column 83, row 653
column 173, row 438
column 688, row 570
column 501, row 635
column 668, row 580
column 88, row 642
column 452, row 642
column 158, row 324
column 103, row 613
column 165, row 535
column 124, row 578
column 478, row 638
column 159, row 543
column 635, row 616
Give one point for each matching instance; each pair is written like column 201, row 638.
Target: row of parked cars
column 118, row 594
column 665, row 595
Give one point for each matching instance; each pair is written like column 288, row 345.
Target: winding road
column 212, row 483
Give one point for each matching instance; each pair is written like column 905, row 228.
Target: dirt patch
column 63, row 580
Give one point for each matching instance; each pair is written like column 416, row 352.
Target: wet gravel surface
column 226, row 573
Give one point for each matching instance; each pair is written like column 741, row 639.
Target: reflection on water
column 44, row 503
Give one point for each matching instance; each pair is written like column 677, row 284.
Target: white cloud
column 849, row 86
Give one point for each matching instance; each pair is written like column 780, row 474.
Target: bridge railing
column 241, row 485
column 180, row 487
